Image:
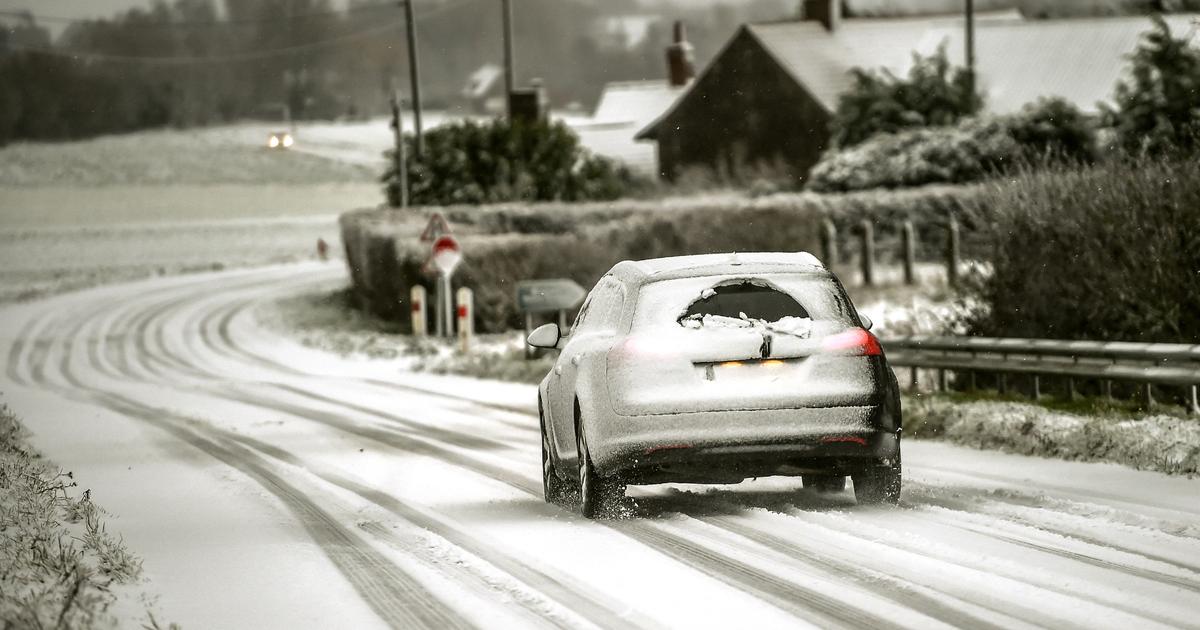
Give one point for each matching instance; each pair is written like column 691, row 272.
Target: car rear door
column 586, row 348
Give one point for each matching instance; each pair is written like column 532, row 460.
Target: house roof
column 635, row 101
column 1017, row 60
column 625, row 107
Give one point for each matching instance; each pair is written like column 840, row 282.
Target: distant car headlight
column 273, row 142
column 287, row 140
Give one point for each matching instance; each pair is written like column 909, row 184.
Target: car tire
column 598, row 496
column 878, row 484
column 554, row 489
column 825, row 484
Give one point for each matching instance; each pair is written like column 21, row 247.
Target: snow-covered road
column 269, row 485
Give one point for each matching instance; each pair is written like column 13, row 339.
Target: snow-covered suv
column 715, row 369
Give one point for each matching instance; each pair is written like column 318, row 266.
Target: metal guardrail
column 1144, row 363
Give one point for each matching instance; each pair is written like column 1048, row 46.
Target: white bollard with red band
column 465, row 313
column 417, row 296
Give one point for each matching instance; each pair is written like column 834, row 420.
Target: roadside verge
column 62, row 568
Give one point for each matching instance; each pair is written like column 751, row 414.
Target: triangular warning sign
column 436, row 227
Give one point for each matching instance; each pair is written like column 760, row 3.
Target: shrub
column 469, row 162
column 1105, row 252
column 1156, row 108
column 975, row 148
column 1054, row 127
column 933, row 94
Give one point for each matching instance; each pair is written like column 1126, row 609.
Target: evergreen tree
column 933, row 95
column 1158, row 106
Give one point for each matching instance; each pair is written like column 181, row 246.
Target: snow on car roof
column 716, row 264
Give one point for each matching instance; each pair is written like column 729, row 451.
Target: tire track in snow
column 218, row 319
column 765, row 588
column 398, row 598
column 307, row 511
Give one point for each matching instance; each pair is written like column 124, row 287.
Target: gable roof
column 626, row 107
column 1017, row 60
column 635, row 101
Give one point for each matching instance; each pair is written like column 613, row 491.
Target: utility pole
column 399, row 155
column 506, row 10
column 970, row 19
column 414, row 76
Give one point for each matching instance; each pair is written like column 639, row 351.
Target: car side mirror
column 865, row 321
column 545, row 336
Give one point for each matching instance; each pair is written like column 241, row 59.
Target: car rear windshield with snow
column 787, row 301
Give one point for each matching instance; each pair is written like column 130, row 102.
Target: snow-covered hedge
column 506, row 243
column 1158, row 442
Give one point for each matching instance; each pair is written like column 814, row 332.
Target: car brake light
column 855, row 341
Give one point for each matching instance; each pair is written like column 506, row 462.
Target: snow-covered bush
column 972, row 150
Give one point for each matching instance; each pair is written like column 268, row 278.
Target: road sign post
column 446, row 255
column 547, row 296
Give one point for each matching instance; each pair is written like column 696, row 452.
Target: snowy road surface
column 268, row 485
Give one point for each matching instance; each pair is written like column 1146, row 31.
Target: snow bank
column 1161, row 443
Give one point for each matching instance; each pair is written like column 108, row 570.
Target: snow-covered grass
column 78, row 214
column 1152, row 441
column 326, row 320
column 40, row 261
column 61, row 566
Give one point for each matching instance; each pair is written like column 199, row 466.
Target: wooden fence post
column 868, row 253
column 953, row 252
column 909, row 244
column 829, row 244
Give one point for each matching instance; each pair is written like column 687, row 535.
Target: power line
column 349, row 11
column 186, row 60
column 256, row 55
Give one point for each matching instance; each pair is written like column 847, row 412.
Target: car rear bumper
column 716, row 447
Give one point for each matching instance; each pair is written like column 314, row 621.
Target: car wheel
column 598, row 496
column 824, row 483
column 878, row 484
column 554, row 489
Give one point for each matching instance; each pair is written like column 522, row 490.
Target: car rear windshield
column 767, row 297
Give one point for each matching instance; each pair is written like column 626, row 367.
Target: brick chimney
column 680, row 58
column 827, row 12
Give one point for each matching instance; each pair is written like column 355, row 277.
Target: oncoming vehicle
column 280, row 140
column 716, row 369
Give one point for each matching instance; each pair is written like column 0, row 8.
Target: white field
column 271, row 485
column 158, row 202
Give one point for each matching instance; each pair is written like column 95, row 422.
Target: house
column 626, row 107
column 767, row 98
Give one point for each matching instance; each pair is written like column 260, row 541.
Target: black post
column 414, row 77
column 970, row 24
column 506, row 8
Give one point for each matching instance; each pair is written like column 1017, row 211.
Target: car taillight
column 855, row 341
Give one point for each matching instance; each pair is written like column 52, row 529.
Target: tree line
column 199, row 62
